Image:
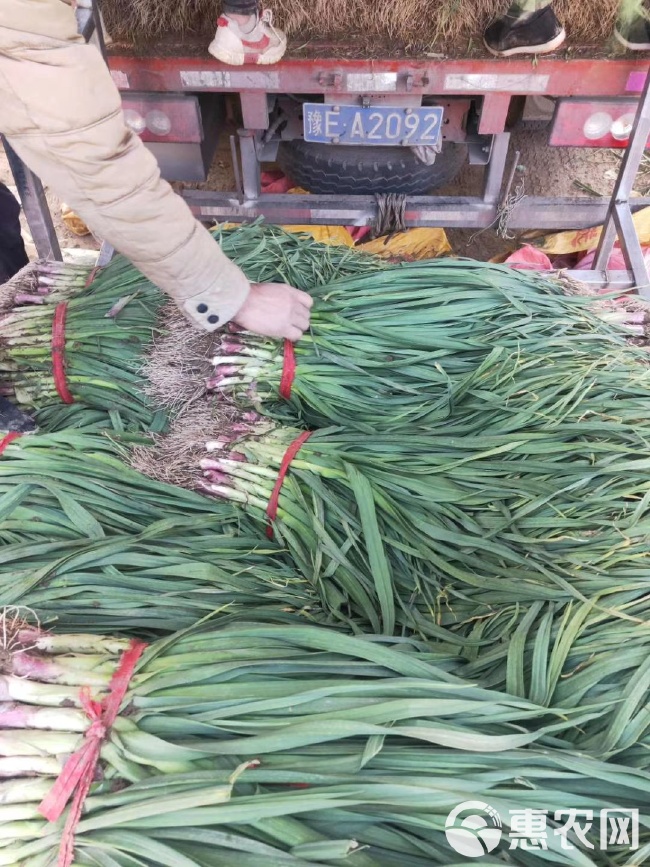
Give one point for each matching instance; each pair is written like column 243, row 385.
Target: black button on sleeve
column 213, row 319
column 202, row 308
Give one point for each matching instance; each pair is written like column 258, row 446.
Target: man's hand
column 275, row 310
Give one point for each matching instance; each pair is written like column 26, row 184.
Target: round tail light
column 134, row 121
column 598, row 125
column 158, row 122
column 622, row 128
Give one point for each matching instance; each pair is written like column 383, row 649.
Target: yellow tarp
column 587, row 239
column 413, row 244
column 325, row 234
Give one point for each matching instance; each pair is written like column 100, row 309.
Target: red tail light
column 594, row 123
column 163, row 118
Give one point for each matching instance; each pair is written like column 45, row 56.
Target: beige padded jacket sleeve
column 62, row 114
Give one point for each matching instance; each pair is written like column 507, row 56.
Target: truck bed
column 360, row 48
column 418, row 26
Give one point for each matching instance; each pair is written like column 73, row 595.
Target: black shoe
column 14, row 420
column 538, row 33
column 634, row 35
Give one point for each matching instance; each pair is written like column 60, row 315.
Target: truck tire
column 345, row 169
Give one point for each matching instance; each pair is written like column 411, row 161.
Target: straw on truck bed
column 406, row 22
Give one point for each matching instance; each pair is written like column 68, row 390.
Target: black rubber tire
column 343, row 169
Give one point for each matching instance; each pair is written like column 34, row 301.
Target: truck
column 344, row 128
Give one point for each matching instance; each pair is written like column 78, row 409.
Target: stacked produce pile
column 484, row 497
column 269, row 254
column 499, row 424
column 72, row 341
column 400, row 525
column 79, row 345
column 489, row 488
column 43, row 282
column 93, row 544
column 288, row 746
column 88, row 543
column 448, row 345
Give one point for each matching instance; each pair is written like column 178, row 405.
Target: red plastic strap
column 58, row 352
column 76, row 777
column 92, row 276
column 290, row 454
column 288, row 370
column 8, row 439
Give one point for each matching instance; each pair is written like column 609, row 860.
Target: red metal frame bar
column 550, row 76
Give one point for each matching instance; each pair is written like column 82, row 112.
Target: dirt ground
column 544, row 171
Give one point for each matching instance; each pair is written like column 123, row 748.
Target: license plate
column 377, row 125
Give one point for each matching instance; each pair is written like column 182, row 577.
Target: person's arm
column 62, row 114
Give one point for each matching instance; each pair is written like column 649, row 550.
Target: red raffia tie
column 92, row 276
column 58, row 352
column 76, row 777
column 288, row 370
column 287, row 460
column 8, row 439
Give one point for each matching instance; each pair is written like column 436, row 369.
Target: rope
column 507, row 205
column 8, row 439
column 78, row 773
column 507, row 209
column 58, row 352
column 92, row 275
column 287, row 460
column 391, row 214
column 288, row 370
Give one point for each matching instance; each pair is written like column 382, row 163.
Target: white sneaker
column 262, row 44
